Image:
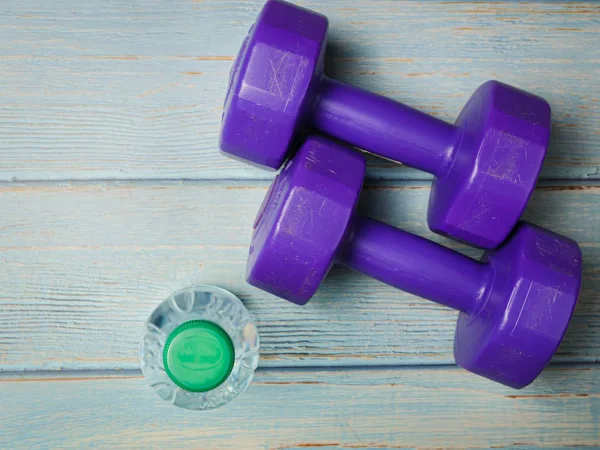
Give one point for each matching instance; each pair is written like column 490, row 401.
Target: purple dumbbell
column 515, row 304
column 485, row 166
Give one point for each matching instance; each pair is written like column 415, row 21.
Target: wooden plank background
column 83, row 265
column 130, row 89
column 113, row 195
column 295, row 410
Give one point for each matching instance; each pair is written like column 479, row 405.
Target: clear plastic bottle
column 199, row 348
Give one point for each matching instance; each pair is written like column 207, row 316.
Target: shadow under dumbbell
column 581, row 340
column 339, row 289
column 334, row 64
column 566, row 135
column 343, row 56
column 558, row 139
column 559, row 382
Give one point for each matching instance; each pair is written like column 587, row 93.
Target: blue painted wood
column 440, row 408
column 119, row 90
column 82, row 264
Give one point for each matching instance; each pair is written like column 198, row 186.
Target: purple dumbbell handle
column 385, row 127
column 414, row 264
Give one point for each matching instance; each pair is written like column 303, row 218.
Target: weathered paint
column 121, row 90
column 84, row 263
column 418, row 408
column 128, row 91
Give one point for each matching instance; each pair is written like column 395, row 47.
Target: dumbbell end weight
column 273, row 84
column 301, row 227
column 536, row 285
column 502, row 142
column 515, row 304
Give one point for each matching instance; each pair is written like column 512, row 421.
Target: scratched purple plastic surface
column 486, row 165
column 515, row 304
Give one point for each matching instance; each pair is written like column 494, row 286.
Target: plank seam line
column 303, row 369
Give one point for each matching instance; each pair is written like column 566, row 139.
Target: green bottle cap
column 198, row 356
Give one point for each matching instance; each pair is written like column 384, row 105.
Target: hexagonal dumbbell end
column 303, row 220
column 530, row 301
column 503, row 138
column 272, row 82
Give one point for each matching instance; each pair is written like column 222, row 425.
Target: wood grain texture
column 418, row 408
column 83, row 264
column 123, row 90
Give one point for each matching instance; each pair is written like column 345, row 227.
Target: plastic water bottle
column 199, row 348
